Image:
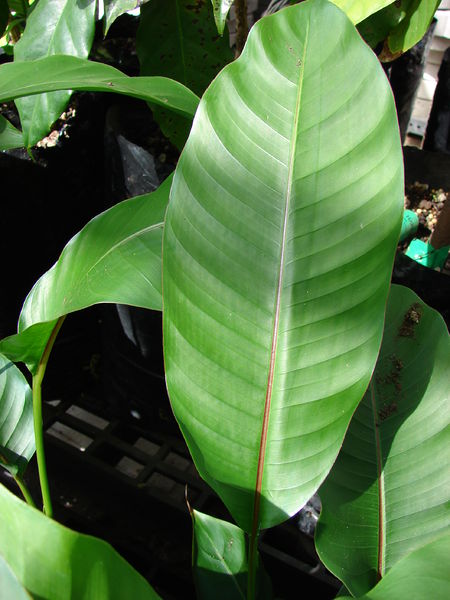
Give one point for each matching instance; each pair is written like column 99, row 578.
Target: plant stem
column 37, row 418
column 240, row 7
column 252, row 565
column 25, row 491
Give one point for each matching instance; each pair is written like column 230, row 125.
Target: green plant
column 277, row 245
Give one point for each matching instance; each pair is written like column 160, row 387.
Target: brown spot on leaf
column 410, row 320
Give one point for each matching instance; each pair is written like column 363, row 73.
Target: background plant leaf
column 53, row 27
column 10, row 587
column 10, row 137
column 278, row 247
column 221, row 8
column 178, row 39
column 64, row 72
column 115, row 8
column 55, row 563
column 358, row 10
column 4, row 16
column 400, row 26
column 116, row 257
column 387, row 493
column 16, row 419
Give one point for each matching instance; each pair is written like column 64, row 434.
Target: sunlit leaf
column 279, row 240
column 56, row 563
column 53, row 27
column 65, row 72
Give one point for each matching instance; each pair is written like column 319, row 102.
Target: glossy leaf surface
column 387, row 493
column 16, row 419
column 221, row 8
column 178, row 39
column 10, row 587
column 278, row 246
column 55, row 563
column 116, row 257
column 10, row 137
column 53, row 27
column 420, row 575
column 116, row 8
column 69, row 72
column 358, row 10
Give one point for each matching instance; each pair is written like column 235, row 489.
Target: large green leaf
column 388, row 491
column 221, row 9
column 400, row 26
column 116, row 257
column 55, row 563
column 178, row 39
column 53, row 27
column 358, row 10
column 10, row 137
column 278, row 247
column 421, row 575
column 16, row 419
column 69, row 72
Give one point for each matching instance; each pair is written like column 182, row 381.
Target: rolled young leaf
column 116, row 257
column 69, row 72
column 55, row 563
column 387, row 493
column 278, row 246
column 16, row 419
column 53, row 27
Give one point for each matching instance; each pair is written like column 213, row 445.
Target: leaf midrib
column 267, row 405
column 380, row 486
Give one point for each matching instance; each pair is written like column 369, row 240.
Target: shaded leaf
column 4, row 16
column 10, row 137
column 358, row 10
column 387, row 493
column 116, row 8
column 116, row 257
column 178, row 39
column 53, row 27
column 55, row 563
column 219, row 558
column 279, row 240
column 64, row 72
column 221, row 9
column 16, row 419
